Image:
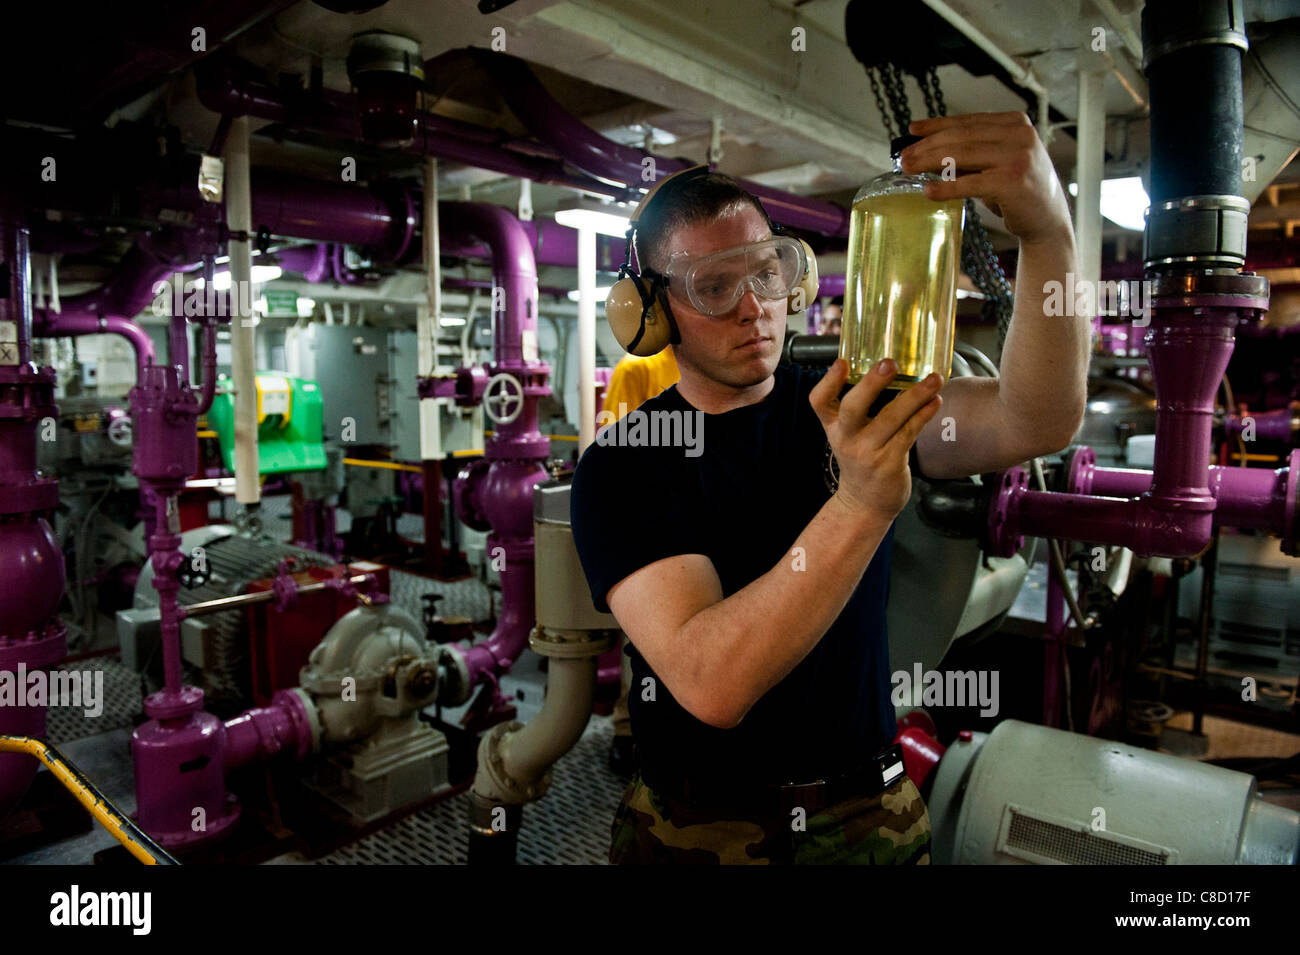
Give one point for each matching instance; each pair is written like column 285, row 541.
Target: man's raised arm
column 717, row 655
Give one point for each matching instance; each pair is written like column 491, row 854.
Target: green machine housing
column 290, row 436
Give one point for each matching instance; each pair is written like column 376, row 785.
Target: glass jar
column 900, row 294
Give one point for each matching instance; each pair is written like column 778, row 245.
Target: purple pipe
column 309, row 261
column 1254, row 498
column 108, row 309
column 1278, row 425
column 69, row 324
column 311, row 209
column 603, row 158
column 513, row 269
column 264, row 731
column 500, row 495
column 1188, row 344
column 31, row 564
column 224, row 88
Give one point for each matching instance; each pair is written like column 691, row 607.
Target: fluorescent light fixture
column 605, row 218
column 1123, row 201
column 600, row 294
column 261, row 273
column 449, row 322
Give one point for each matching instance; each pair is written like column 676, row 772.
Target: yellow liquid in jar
column 900, row 295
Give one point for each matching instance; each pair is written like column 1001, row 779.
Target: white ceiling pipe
column 243, row 367
column 1022, row 75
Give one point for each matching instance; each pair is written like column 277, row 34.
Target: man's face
column 741, row 347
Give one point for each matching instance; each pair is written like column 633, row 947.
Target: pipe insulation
column 239, row 217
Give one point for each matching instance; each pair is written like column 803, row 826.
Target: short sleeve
column 629, row 507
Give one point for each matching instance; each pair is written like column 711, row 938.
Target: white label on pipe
column 528, row 340
column 8, row 343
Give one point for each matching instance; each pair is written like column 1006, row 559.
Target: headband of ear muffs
column 637, row 306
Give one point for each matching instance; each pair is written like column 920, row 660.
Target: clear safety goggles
column 714, row 283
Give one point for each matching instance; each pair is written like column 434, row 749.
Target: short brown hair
column 695, row 199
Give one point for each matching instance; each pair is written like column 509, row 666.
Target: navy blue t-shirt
column 740, row 494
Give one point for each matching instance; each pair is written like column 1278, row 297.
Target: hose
column 132, row 837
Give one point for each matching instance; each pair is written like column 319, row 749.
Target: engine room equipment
column 289, row 424
column 387, row 72
column 31, row 564
column 367, row 681
column 1032, row 795
column 240, row 664
column 514, row 760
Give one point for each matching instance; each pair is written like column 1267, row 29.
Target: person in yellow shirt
column 634, row 381
column 638, row 379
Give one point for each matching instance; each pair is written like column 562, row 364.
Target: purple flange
column 1170, row 511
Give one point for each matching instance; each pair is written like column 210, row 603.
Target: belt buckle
column 810, row 797
column 889, row 763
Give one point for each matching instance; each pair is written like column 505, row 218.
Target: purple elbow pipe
column 500, row 494
column 71, row 323
column 603, row 158
column 1172, row 510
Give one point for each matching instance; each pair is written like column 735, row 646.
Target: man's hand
column 872, row 452
column 998, row 158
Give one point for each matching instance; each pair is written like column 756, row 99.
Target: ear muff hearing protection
column 637, row 306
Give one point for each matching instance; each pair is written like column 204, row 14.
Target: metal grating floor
column 121, row 702
column 461, row 598
column 569, row 825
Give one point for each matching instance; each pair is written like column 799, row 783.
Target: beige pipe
column 513, row 762
column 239, row 218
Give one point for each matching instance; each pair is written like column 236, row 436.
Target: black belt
column 879, row 773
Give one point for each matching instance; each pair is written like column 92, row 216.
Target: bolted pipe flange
column 571, row 644
column 1011, row 484
column 1080, row 465
column 506, row 788
column 454, row 684
column 1291, row 538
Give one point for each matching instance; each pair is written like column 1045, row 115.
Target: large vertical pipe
column 15, row 306
column 31, row 564
column 428, row 322
column 239, row 219
column 1090, row 150
column 430, row 318
column 586, row 338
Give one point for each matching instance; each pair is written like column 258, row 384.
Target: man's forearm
column 1044, row 368
column 734, row 651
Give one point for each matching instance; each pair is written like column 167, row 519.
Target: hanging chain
column 880, row 103
column 897, row 96
column 978, row 258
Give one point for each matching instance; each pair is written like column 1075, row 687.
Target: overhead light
column 599, row 217
column 1123, row 201
column 600, row 293
column 451, row 321
column 260, row 274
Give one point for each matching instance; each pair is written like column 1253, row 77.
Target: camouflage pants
column 890, row 828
